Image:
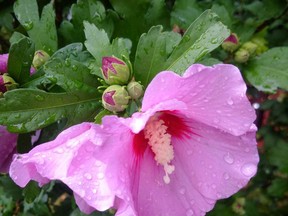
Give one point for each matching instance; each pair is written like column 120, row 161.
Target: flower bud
column 239, row 206
column 115, row 71
column 6, row 83
column 261, row 44
column 40, row 57
column 241, row 56
column 115, row 98
column 250, row 47
column 231, row 43
column 135, row 90
column 3, row 63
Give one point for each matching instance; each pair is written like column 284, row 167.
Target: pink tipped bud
column 6, row 83
column 135, row 90
column 3, row 63
column 115, row 71
column 40, row 57
column 115, row 98
column 231, row 43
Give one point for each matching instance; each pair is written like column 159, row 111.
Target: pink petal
column 92, row 160
column 8, row 142
column 214, row 95
column 139, row 119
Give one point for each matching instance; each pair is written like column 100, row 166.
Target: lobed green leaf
column 41, row 30
column 25, row 110
column 152, row 51
column 269, row 71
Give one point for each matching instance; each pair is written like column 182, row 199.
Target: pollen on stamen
column 160, row 141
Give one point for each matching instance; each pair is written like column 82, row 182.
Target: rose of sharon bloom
column 192, row 144
column 8, row 142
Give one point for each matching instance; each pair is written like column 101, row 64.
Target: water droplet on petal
column 98, row 163
column 247, row 149
column 229, row 158
column 226, row 176
column 189, row 212
column 230, row 101
column 219, row 195
column 182, row 191
column 88, row 176
column 58, row 150
column 249, row 169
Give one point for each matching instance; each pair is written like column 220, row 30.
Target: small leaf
column 278, row 188
column 278, row 156
column 20, row 59
column 31, row 191
column 25, row 110
column 100, row 115
column 136, row 17
column 269, row 71
column 153, row 49
column 184, row 12
column 203, row 36
column 41, row 31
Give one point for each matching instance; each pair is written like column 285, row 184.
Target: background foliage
column 67, row 31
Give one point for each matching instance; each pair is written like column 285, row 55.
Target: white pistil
column 160, row 142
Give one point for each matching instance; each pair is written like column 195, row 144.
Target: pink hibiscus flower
column 192, row 144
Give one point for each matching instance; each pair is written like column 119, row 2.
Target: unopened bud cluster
column 242, row 53
column 116, row 73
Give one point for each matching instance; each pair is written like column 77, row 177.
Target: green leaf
column 31, row 191
column 98, row 44
column 224, row 15
column 203, row 36
column 136, row 17
column 20, row 58
column 71, row 75
column 278, row 188
column 41, row 31
column 266, row 9
column 269, row 71
column 100, row 115
column 25, row 110
column 92, row 11
column 16, row 36
column 152, row 52
column 278, row 156
column 185, row 12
